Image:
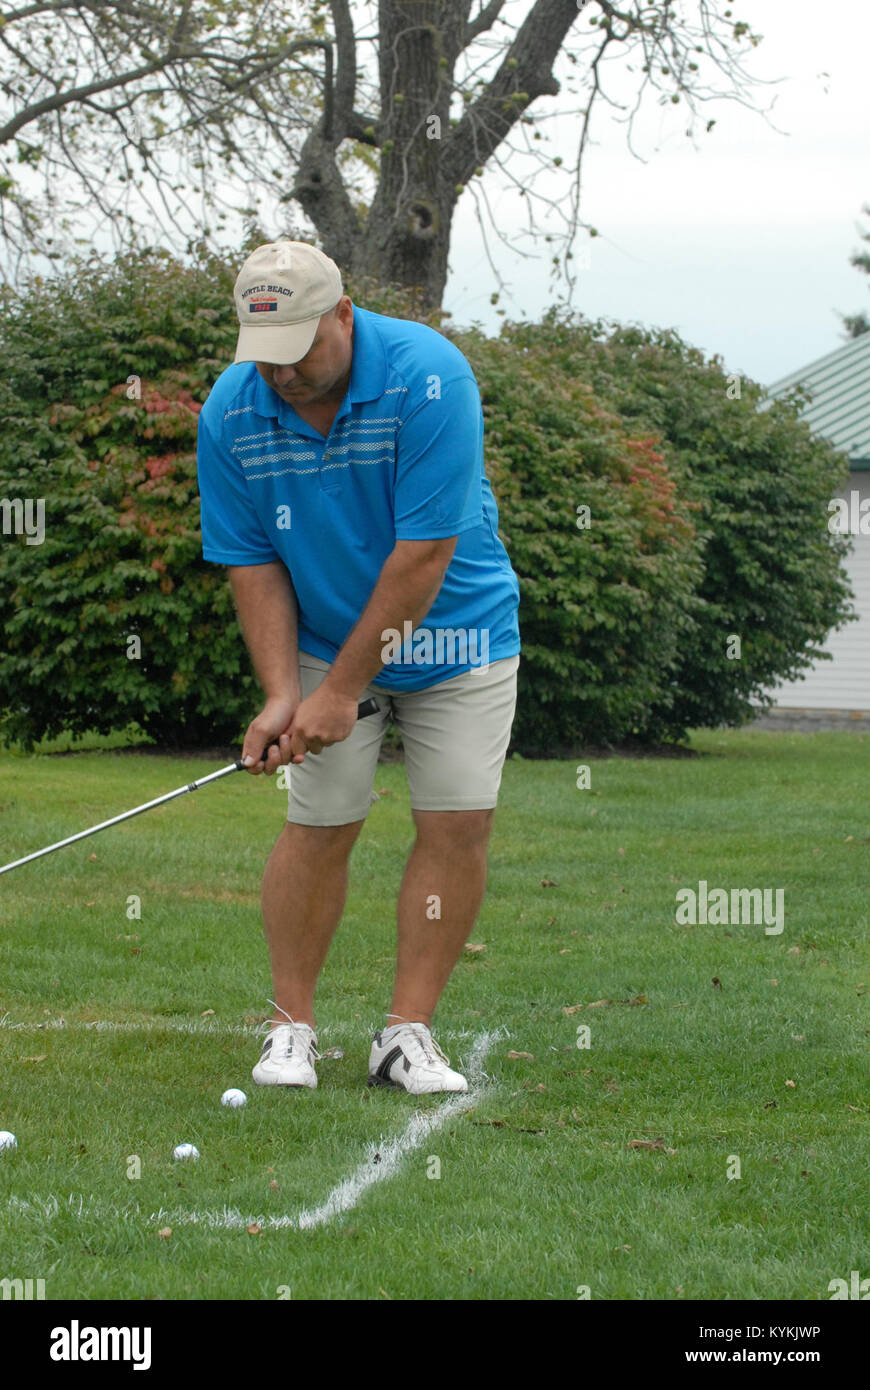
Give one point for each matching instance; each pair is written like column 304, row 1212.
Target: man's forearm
column 406, row 590
column 266, row 605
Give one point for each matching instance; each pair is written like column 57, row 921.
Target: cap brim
column 282, row 345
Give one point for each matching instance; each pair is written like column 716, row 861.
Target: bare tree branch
column 484, row 20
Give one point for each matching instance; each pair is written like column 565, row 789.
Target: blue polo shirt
column 402, row 461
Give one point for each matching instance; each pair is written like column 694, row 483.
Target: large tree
column 373, row 121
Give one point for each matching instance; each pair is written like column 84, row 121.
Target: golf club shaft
column 365, row 709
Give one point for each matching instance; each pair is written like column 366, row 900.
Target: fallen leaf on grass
column 794, row 950
column 334, row 1053
column 207, row 1013
column 253, row 1229
column 474, row 946
column 603, row 1003
column 383, row 1293
column 41, row 1058
column 572, row 1009
column 717, row 983
column 92, row 857
column 650, row 1144
column 515, row 1056
column 790, row 1083
column 565, row 951
column 549, row 883
column 165, row 1233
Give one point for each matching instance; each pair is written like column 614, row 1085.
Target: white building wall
column 844, row 682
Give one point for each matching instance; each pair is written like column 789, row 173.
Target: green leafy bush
column 102, row 410
column 604, row 606
column 760, row 480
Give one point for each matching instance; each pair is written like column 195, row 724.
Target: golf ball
column 234, row 1098
column 185, row 1151
column 7, row 1139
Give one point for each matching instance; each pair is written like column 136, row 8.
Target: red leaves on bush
column 153, row 403
column 159, row 467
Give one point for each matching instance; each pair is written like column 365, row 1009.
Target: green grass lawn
column 541, row 1191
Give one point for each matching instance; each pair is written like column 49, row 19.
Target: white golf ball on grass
column 185, row 1151
column 7, row 1139
column 234, row 1098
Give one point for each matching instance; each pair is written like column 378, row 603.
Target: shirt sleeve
column 439, row 464
column 232, row 532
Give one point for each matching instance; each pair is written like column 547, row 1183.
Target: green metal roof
column 840, row 406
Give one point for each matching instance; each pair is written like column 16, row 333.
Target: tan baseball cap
column 280, row 293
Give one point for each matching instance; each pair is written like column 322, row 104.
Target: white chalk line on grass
column 192, row 1026
column 343, row 1197
column 422, row 1123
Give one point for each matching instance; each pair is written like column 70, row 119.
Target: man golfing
column 341, row 475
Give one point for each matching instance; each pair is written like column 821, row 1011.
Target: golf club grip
column 367, row 707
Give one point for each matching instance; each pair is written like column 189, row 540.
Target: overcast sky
column 742, row 244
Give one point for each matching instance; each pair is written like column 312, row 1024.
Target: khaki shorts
column 455, row 736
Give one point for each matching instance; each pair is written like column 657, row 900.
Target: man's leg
column 304, row 891
column 448, row 862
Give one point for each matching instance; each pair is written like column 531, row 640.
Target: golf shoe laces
column 428, row 1045
column 294, row 1037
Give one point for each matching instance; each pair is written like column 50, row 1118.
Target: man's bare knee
column 329, row 840
column 457, row 831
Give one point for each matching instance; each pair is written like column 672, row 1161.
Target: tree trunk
column 425, row 163
column 406, row 238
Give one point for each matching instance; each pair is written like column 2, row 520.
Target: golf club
column 367, row 707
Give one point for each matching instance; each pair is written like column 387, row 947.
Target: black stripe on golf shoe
column 381, row 1077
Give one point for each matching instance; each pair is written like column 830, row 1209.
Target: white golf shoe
column 288, row 1057
column 411, row 1060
